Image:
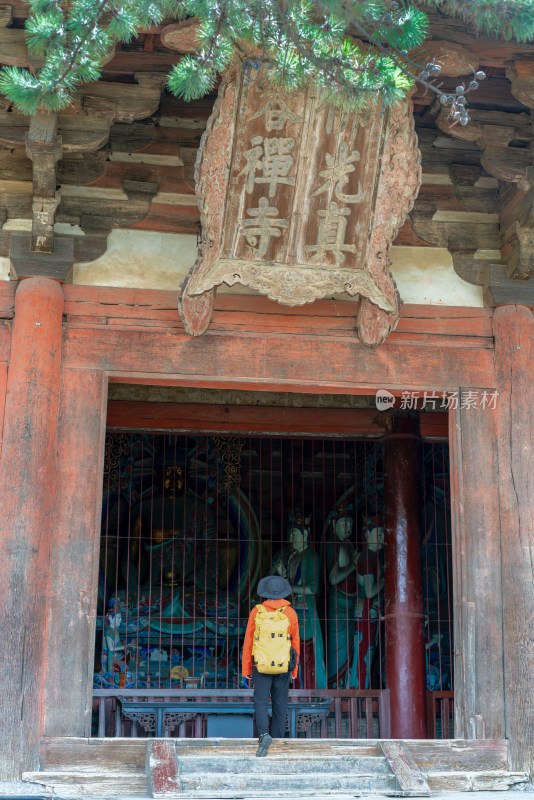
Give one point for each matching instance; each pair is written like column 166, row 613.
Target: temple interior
column 191, row 523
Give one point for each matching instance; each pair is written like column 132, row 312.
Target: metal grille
column 190, row 524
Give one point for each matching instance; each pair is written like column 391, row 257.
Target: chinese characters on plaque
column 299, row 200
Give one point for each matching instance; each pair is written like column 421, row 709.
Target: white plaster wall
column 140, row 260
column 151, row 260
column 425, row 275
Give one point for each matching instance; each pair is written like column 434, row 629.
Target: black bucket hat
column 273, row 587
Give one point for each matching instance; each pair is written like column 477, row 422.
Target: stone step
column 285, row 782
column 294, row 764
column 98, row 784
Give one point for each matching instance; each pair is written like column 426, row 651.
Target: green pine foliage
column 353, row 50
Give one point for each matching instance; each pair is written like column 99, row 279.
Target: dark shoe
column 264, row 740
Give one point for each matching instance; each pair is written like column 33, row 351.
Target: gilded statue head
column 173, row 480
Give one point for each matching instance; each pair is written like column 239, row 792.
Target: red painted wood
column 253, row 312
column 258, row 419
column 275, row 362
column 403, row 579
column 3, row 387
column 169, row 179
column 163, row 768
column 75, row 551
column 27, row 488
column 7, row 299
column 514, row 354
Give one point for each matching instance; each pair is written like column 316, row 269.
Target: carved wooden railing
column 354, row 714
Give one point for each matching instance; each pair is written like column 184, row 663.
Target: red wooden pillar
column 73, row 585
column 403, row 580
column 27, row 483
column 513, row 327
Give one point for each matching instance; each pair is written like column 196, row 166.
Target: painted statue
column 175, row 536
column 370, row 579
column 301, row 566
column 177, row 532
column 342, row 590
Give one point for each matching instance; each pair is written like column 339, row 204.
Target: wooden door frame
column 135, row 337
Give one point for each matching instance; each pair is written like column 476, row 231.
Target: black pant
column 277, row 686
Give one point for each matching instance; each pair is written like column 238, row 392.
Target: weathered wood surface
column 514, row 350
column 458, row 755
column 254, row 419
column 111, row 306
column 27, row 524
column 499, row 289
column 3, row 388
column 407, row 774
column 231, row 763
column 162, row 768
column 477, row 609
column 82, row 754
column 56, row 264
column 74, row 554
column 251, row 344
column 276, row 362
column 7, row 299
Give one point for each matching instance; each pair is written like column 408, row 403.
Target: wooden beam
column 407, row 774
column 499, row 289
column 44, row 149
column 277, row 362
column 270, row 420
column 26, row 262
column 155, row 308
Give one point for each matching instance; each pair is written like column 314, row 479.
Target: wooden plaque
column 301, row 201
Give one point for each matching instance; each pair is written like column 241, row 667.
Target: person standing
column 274, row 591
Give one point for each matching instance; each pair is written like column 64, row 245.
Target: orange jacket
column 271, row 605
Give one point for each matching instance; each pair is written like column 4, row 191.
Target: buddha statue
column 177, row 532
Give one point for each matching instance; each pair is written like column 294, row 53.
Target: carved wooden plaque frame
column 300, row 201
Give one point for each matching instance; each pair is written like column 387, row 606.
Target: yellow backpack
column 272, row 641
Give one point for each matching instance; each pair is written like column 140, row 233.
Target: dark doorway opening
column 190, row 523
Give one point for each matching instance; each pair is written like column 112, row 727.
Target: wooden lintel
column 26, row 263
column 499, row 289
column 271, row 420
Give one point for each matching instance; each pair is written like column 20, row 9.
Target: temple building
column 254, row 335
